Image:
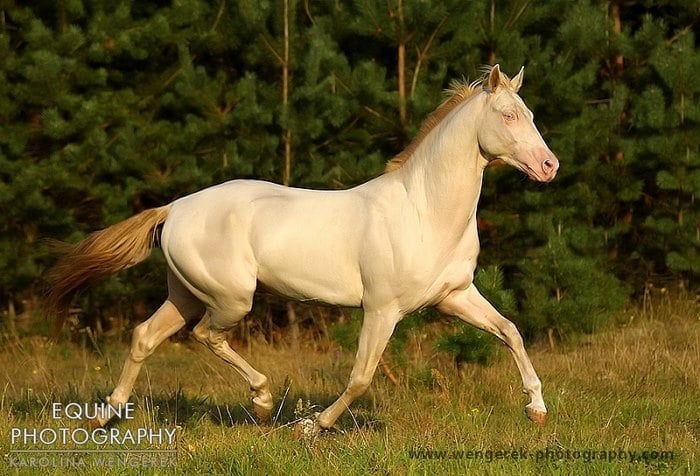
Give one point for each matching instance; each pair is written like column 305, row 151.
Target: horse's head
column 507, row 131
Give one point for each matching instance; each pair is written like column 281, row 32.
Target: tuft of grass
column 617, row 400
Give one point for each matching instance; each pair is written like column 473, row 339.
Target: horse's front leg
column 470, row 306
column 377, row 327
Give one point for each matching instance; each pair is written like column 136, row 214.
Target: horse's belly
column 309, row 263
column 308, row 283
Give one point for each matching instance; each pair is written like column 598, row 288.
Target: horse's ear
column 517, row 81
column 494, row 79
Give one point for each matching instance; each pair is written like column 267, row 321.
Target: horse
column 402, row 241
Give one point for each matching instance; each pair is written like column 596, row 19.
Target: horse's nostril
column 549, row 165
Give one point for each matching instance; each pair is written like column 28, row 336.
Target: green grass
column 632, row 389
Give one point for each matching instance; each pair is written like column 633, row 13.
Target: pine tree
column 109, row 108
column 566, row 292
column 667, row 121
column 102, row 123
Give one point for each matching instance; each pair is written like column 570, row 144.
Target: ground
column 624, row 401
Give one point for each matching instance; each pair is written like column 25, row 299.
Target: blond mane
column 458, row 92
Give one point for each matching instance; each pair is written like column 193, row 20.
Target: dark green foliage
column 566, row 291
column 107, row 108
column 469, row 345
column 345, row 333
column 491, row 283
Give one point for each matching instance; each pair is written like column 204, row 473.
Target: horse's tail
column 99, row 255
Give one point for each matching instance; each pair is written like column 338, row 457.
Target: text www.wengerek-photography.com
column 76, row 446
column 548, row 455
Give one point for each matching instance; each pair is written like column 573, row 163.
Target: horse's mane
column 458, row 92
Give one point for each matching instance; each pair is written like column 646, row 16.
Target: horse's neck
column 444, row 175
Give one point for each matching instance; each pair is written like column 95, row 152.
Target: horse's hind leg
column 215, row 339
column 166, row 321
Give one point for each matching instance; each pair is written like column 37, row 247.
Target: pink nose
column 550, row 167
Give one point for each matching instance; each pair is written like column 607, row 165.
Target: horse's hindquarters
column 302, row 244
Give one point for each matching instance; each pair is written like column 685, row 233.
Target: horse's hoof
column 538, row 417
column 262, row 413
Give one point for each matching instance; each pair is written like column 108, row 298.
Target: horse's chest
column 457, row 274
column 445, row 272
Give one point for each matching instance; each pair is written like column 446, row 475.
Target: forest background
column 108, row 108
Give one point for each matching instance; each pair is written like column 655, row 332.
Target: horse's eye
column 509, row 116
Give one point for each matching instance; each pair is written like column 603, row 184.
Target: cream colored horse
column 400, row 242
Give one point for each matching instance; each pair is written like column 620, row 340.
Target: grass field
column 625, row 401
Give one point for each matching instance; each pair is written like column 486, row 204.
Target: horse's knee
column 358, row 385
column 201, row 332
column 508, row 332
column 214, row 339
column 149, row 334
column 141, row 347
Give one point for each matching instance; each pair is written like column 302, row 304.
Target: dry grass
column 632, row 389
